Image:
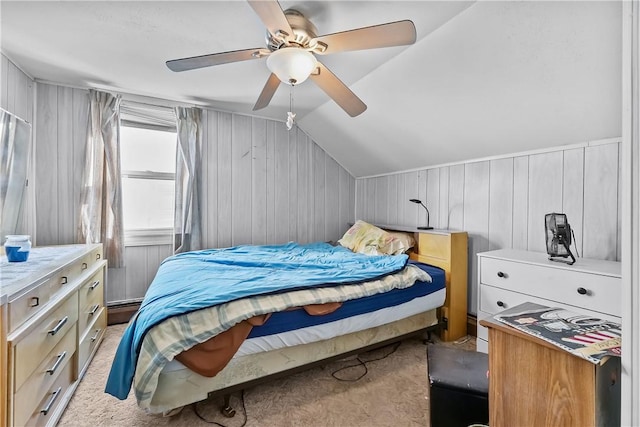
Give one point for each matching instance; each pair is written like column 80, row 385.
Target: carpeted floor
column 393, row 393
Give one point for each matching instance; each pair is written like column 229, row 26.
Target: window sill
column 148, row 237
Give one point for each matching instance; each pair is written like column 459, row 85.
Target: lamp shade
column 292, row 65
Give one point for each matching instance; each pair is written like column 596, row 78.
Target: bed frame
column 441, row 248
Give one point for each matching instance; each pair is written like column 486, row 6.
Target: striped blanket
column 179, row 333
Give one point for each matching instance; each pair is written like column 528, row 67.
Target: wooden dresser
column 448, row 250
column 508, row 277
column 53, row 321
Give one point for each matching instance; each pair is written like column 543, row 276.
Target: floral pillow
column 398, row 243
column 368, row 239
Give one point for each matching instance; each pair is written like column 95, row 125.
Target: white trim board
column 630, row 194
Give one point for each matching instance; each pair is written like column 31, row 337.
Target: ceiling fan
column 292, row 44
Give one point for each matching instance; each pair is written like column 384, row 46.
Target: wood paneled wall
column 501, row 202
column 261, row 184
column 16, row 90
column 264, row 184
column 61, row 133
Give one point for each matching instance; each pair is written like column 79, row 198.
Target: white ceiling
column 482, row 79
column 123, row 45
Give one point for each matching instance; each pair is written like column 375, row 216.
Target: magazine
column 585, row 336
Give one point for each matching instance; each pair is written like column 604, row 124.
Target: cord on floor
column 363, row 363
column 244, row 412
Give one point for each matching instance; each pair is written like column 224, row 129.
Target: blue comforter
column 195, row 280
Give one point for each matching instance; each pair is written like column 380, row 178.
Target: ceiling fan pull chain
column 290, row 115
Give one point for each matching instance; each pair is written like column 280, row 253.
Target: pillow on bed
column 399, row 243
column 368, row 239
column 363, row 238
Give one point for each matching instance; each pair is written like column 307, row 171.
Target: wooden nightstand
column 533, row 383
column 448, row 250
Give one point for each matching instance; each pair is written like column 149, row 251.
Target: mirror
column 15, row 135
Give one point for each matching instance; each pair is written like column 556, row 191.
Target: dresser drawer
column 31, row 350
column 494, row 300
column 89, row 260
column 92, row 338
column 76, row 269
column 64, row 277
column 28, row 304
column 46, row 408
column 40, row 382
column 590, row 291
column 91, row 300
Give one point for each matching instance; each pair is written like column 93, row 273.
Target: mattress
column 291, row 328
column 183, row 386
column 297, row 319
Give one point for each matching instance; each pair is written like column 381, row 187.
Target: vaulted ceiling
column 484, row 78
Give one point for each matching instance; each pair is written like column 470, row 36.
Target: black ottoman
column 459, row 386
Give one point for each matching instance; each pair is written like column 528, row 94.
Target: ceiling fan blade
column 272, row 16
column 338, row 91
column 194, row 62
column 267, row 92
column 397, row 33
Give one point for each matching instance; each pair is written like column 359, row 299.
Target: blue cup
column 17, row 248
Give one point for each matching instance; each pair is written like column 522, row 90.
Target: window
column 148, row 158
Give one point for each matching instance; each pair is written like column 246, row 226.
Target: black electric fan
column 558, row 234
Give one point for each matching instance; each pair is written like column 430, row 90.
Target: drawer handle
column 501, row 304
column 54, row 396
column 61, row 357
column 84, row 266
column 64, row 280
column 94, row 309
column 35, row 301
column 583, row 291
column 501, row 274
column 95, row 337
column 94, row 285
column 98, row 256
column 60, row 324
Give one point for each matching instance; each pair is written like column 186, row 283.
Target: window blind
column 147, row 116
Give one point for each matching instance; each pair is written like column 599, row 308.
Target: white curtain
column 188, row 181
column 101, row 199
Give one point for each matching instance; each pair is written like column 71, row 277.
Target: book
column 583, row 335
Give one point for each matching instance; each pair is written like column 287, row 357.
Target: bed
column 404, row 298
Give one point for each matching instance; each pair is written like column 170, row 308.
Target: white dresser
column 508, row 277
column 53, row 321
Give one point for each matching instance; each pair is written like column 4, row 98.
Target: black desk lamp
column 425, row 208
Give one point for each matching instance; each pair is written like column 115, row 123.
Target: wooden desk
column 533, row 383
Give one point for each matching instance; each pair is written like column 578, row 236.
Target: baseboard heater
column 121, row 312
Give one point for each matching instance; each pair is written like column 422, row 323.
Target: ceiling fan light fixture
column 292, row 65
